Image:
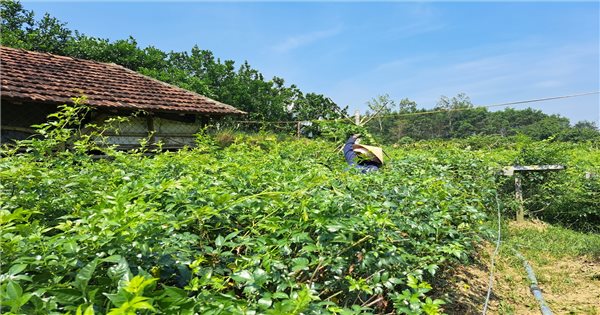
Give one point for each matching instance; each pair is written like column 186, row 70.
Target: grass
column 540, row 240
column 566, row 264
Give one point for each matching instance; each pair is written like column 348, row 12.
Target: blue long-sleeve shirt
column 351, row 157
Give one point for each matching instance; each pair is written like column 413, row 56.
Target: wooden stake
column 357, row 117
column 515, row 171
column 151, row 129
column 519, row 197
column 298, row 126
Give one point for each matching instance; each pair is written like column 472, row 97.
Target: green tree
column 15, row 23
column 581, row 131
column 21, row 30
column 197, row 70
column 407, row 106
column 380, row 106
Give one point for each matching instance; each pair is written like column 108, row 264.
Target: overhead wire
column 425, row 112
column 495, row 105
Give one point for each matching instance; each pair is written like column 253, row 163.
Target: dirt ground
column 569, row 285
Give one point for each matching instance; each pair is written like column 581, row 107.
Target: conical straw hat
column 375, row 151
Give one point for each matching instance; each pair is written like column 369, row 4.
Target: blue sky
column 354, row 51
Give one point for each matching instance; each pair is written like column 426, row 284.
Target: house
column 33, row 84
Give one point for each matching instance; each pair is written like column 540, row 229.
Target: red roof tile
column 40, row 77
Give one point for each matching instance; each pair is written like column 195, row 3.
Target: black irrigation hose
column 533, row 285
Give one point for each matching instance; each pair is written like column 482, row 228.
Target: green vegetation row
column 239, row 225
column 254, row 224
column 570, row 197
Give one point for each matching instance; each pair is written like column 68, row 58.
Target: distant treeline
column 271, row 100
column 456, row 117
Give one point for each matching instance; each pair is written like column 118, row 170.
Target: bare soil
column 569, row 285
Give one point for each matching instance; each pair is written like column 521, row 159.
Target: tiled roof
column 40, row 77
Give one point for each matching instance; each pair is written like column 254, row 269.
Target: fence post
column 298, row 126
column 519, row 197
column 357, row 117
column 151, row 129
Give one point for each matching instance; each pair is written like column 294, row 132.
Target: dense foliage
column 258, row 224
column 255, row 226
column 570, row 197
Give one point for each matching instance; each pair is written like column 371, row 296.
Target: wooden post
column 151, row 129
column 357, row 117
column 298, row 126
column 515, row 171
column 519, row 197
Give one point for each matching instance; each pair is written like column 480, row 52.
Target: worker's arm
column 349, row 153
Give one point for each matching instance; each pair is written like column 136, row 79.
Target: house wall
column 173, row 130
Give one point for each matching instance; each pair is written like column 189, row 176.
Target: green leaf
column 117, row 271
column 25, row 298
column 219, row 241
column 131, row 306
column 280, row 295
column 138, row 284
column 141, row 303
column 14, row 290
column 176, row 292
column 260, row 277
column 300, row 263
column 117, row 299
column 88, row 310
column 85, row 274
column 67, row 296
column 242, row 277
column 15, row 269
column 432, row 269
column 112, row 259
column 265, row 303
column 71, row 247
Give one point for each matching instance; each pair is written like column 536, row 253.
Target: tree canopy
column 197, row 70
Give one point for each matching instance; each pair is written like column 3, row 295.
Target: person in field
column 365, row 158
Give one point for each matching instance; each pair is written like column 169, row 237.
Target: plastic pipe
column 533, row 285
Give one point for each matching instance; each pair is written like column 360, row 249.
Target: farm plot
column 255, row 226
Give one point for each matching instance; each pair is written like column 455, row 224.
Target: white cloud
column 296, row 41
column 548, row 84
column 488, row 77
column 402, row 63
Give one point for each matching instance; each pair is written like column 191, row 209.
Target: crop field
column 178, row 177
column 256, row 224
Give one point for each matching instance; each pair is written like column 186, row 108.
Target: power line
column 425, row 112
column 488, row 106
column 545, row 99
